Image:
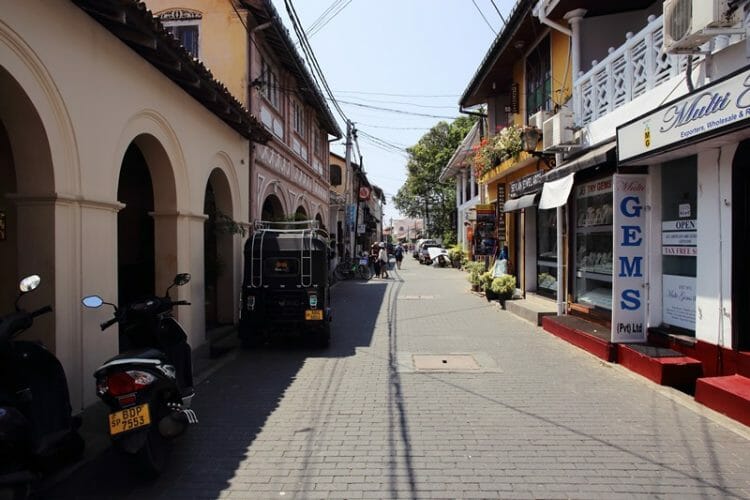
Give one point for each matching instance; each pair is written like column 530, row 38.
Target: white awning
column 604, row 153
column 555, row 193
column 525, row 201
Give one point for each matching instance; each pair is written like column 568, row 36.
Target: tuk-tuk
column 285, row 289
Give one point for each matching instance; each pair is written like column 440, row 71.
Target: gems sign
column 629, row 255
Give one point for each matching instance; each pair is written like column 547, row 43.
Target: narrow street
column 525, row 416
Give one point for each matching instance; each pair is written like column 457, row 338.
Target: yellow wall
column 225, row 50
column 562, row 69
column 519, row 78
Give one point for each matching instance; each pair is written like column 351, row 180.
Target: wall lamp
column 530, row 140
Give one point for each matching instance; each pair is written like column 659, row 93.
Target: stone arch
column 272, row 208
column 157, row 142
column 218, row 256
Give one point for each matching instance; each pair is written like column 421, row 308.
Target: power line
column 392, row 110
column 406, row 103
column 485, row 19
column 498, row 12
column 394, row 95
column 314, row 31
column 320, row 18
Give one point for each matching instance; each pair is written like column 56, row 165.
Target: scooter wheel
column 15, row 492
column 152, row 458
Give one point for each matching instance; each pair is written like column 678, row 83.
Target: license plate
column 363, row 262
column 129, row 419
column 314, row 314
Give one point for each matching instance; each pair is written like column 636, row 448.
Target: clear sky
column 415, row 56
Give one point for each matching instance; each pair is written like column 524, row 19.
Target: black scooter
column 38, row 434
column 148, row 387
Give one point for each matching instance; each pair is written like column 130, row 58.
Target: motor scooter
column 38, row 433
column 148, row 388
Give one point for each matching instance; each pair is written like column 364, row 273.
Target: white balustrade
column 627, row 72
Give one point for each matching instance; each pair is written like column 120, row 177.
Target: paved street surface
column 525, row 416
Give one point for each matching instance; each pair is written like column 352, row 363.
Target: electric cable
column 485, row 19
column 498, row 12
column 315, row 31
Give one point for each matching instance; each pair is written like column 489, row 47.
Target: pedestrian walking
column 399, row 254
column 374, row 251
column 383, row 261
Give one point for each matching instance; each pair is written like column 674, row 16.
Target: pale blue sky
column 408, row 47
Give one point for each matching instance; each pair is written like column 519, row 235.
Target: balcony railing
column 629, row 71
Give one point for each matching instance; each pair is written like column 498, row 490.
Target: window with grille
column 298, row 118
column 186, row 32
column 269, row 83
column 539, row 79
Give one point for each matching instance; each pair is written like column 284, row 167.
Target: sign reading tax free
column 628, row 258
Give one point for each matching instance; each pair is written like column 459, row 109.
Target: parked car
column 418, row 246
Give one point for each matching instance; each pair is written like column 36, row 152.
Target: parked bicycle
column 357, row 269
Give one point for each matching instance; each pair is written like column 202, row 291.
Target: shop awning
column 525, row 201
column 555, row 193
column 598, row 155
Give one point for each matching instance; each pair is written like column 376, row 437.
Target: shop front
column 697, row 149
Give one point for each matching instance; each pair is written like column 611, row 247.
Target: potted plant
column 485, row 283
column 503, row 286
column 475, row 270
column 456, row 256
column 491, row 151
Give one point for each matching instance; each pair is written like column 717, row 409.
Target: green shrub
column 456, row 252
column 475, row 269
column 485, row 281
column 504, row 286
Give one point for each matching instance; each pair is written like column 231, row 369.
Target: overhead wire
column 313, row 32
column 320, row 18
column 483, row 17
column 498, row 12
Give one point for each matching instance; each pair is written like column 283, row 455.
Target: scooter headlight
column 312, row 300
column 250, row 302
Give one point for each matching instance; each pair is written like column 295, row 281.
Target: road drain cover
column 445, row 362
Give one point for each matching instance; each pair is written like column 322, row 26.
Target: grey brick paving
column 541, row 420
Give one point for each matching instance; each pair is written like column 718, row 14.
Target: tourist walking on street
column 399, row 253
column 383, row 261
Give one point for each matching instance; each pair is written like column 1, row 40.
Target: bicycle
column 348, row 269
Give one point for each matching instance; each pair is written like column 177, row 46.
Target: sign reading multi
column 705, row 112
column 628, row 257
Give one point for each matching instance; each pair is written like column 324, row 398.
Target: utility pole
column 350, row 185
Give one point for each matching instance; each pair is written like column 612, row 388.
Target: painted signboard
column 706, row 112
column 679, row 237
column 629, row 255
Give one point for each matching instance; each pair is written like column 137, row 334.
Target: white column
column 574, row 17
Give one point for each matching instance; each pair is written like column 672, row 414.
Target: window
column 270, row 83
column 335, row 174
column 317, row 143
column 298, row 117
column 184, row 26
column 539, row 79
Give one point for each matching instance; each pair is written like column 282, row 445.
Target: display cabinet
column 593, row 244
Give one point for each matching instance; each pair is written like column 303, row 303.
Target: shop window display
column 593, row 244
column 546, row 263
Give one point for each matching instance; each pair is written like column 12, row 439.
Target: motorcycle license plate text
column 128, row 419
column 313, row 314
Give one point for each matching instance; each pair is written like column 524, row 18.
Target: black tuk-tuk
column 285, row 289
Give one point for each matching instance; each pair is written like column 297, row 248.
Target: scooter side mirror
column 29, row 283
column 181, row 279
column 92, row 301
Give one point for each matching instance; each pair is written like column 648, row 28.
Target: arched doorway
column 27, row 215
column 272, row 209
column 218, row 251
column 136, row 270
column 319, row 218
column 300, row 213
column 740, row 242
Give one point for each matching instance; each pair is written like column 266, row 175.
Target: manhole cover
column 445, row 362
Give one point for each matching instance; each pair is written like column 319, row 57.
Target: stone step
column 532, row 308
column 661, row 365
column 729, row 395
column 588, row 336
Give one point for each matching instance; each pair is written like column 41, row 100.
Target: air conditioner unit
column 688, row 24
column 537, row 119
column 557, row 132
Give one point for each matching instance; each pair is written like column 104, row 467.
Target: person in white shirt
column 383, row 260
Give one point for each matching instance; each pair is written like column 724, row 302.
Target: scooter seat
column 138, row 354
